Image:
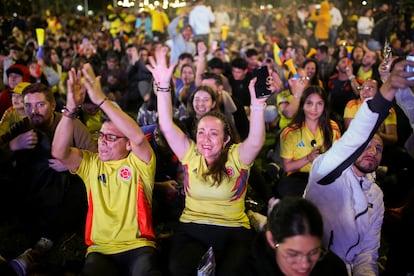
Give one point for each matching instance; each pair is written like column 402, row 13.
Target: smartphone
column 262, row 82
column 409, row 68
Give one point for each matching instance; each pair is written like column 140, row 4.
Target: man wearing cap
column 16, row 73
column 16, row 112
column 15, row 57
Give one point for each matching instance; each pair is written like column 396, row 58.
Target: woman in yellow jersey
column 310, row 133
column 216, row 168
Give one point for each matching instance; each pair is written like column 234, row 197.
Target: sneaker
column 21, row 263
column 43, row 245
column 28, row 259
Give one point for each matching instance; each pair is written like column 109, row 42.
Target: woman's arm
column 175, row 137
column 251, row 146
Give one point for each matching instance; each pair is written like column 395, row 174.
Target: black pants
column 292, row 185
column 137, row 262
column 191, row 241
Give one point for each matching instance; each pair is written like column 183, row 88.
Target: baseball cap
column 20, row 87
column 19, row 69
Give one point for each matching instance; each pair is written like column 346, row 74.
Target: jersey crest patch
column 230, row 171
column 125, row 173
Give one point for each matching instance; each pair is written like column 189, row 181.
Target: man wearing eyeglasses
column 341, row 186
column 119, row 182
column 368, row 89
column 44, row 195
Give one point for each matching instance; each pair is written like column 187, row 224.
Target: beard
column 369, row 168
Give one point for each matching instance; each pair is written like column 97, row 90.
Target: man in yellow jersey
column 119, row 182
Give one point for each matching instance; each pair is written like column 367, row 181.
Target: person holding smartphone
column 216, row 168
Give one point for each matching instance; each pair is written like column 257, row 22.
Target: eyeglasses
column 293, row 256
column 366, row 88
column 108, row 137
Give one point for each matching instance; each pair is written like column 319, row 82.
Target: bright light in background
column 364, row 3
column 151, row 5
column 126, row 4
column 79, row 8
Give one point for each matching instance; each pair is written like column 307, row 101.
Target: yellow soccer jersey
column 217, row 205
column 353, row 106
column 283, row 97
column 296, row 143
column 119, row 203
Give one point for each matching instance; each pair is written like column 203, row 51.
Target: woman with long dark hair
column 310, row 133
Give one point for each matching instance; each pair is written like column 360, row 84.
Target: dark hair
column 215, row 63
column 190, row 108
column 251, row 52
column 316, row 79
column 217, row 169
column 187, row 65
column 186, row 55
column 323, row 49
column 324, row 121
column 47, row 56
column 294, row 216
column 239, row 62
column 210, row 75
column 183, row 28
column 40, row 88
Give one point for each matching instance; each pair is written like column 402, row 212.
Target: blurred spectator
column 322, row 21
column 181, row 41
column 200, row 18
column 16, row 73
column 16, row 112
column 160, row 22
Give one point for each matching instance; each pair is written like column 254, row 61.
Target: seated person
column 119, row 182
column 16, row 112
column 309, row 134
column 292, row 243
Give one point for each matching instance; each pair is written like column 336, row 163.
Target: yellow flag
column 278, row 55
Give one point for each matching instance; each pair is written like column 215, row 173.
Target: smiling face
column 310, row 69
column 187, row 74
column 112, row 150
column 202, row 103
column 210, row 138
column 368, row 89
column 313, row 106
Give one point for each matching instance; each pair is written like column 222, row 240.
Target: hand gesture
column 57, row 165
column 92, row 84
column 26, row 140
column 297, row 86
column 159, row 68
column 75, row 92
column 316, row 150
column 385, row 68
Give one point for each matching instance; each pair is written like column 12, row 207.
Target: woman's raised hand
column 158, row 67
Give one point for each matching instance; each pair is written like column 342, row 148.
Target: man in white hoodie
column 341, row 184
